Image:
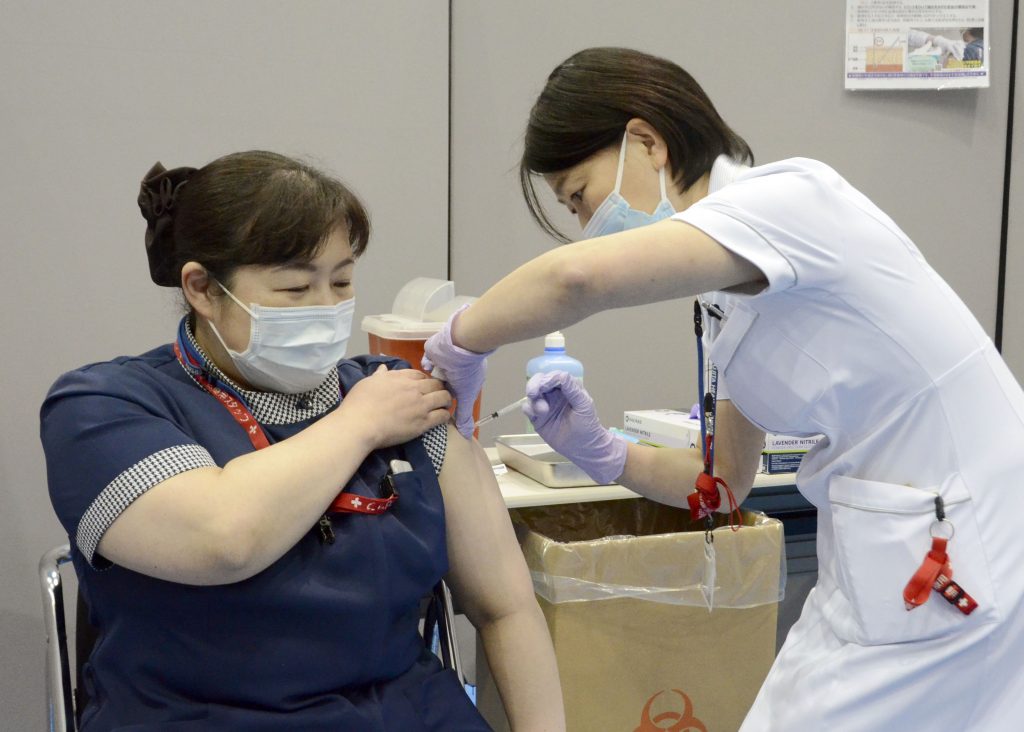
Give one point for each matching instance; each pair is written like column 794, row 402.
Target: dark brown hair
column 247, row 208
column 589, row 98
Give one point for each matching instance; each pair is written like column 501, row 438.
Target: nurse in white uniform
column 834, row 324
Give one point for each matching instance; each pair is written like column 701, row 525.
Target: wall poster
column 917, row 44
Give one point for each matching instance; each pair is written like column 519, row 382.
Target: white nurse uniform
column 857, row 338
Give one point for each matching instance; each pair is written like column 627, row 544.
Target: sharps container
column 419, row 310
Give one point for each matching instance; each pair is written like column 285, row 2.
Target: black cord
column 448, row 270
column 1005, row 224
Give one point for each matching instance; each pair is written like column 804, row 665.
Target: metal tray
column 533, row 457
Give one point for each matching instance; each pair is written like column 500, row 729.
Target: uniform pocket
column 408, row 483
column 882, row 533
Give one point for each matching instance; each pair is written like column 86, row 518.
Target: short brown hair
column 589, row 98
column 247, row 208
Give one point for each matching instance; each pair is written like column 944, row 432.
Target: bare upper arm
column 488, row 570
column 171, row 531
column 662, row 261
column 738, row 446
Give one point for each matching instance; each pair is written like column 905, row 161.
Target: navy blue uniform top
column 326, row 638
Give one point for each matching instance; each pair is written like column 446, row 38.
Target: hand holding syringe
column 439, row 374
column 500, row 412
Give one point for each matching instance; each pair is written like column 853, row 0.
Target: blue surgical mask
column 291, row 350
column 615, row 215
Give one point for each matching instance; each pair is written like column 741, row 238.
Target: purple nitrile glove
column 464, row 371
column 562, row 412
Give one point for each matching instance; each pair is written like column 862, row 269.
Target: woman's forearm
column 271, row 511
column 667, row 475
column 523, row 665
column 663, row 474
column 541, row 296
column 215, row 526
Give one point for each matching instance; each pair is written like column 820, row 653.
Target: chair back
column 60, row 714
column 442, row 617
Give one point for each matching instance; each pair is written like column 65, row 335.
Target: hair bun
column 157, row 197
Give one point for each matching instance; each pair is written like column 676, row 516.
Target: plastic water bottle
column 554, row 358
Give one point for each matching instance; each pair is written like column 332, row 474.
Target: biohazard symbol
column 671, row 721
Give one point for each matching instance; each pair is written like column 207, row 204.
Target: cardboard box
column 623, row 586
column 662, row 427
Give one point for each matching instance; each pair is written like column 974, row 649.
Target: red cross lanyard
column 346, row 502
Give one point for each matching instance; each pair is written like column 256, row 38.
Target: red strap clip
column 936, row 574
column 919, row 588
column 707, row 499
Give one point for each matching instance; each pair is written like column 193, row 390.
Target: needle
column 501, row 412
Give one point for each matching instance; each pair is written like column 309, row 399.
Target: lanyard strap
column 346, row 502
column 232, row 402
column 710, row 409
column 707, row 498
column 709, row 398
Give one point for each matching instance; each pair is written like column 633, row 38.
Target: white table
column 520, row 491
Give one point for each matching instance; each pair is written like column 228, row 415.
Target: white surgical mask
column 292, row 350
column 615, row 215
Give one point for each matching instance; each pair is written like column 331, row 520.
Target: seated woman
column 255, row 519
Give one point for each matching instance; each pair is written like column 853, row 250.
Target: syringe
column 501, row 412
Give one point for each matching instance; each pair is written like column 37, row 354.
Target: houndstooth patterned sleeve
column 436, row 441
column 129, row 485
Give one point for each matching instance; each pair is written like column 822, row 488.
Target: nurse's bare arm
column 667, row 475
column 738, row 447
column 489, row 576
column 663, row 261
column 219, row 525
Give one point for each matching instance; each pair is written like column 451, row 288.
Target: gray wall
column 786, row 98
column 93, row 94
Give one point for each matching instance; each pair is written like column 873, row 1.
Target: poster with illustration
column 911, row 44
